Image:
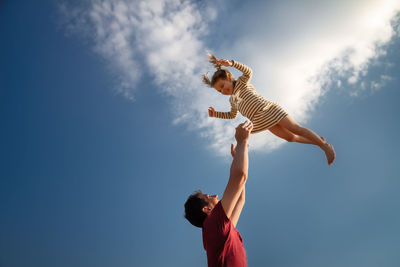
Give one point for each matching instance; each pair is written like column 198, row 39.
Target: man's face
column 212, row 201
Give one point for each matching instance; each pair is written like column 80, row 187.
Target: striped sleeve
column 247, row 72
column 227, row 115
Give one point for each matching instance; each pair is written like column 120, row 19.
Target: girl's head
column 222, row 80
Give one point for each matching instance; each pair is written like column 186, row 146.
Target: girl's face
column 223, row 86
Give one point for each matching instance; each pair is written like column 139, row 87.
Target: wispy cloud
column 315, row 47
column 159, row 37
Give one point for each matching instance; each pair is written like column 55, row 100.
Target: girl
column 264, row 114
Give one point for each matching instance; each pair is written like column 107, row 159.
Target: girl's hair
column 221, row 73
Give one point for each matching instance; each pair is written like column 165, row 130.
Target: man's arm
column 240, row 203
column 239, row 169
column 238, row 208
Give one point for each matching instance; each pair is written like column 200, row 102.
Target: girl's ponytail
column 213, row 60
column 206, row 80
column 221, row 73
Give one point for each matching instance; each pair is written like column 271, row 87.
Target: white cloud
column 383, row 79
column 296, row 55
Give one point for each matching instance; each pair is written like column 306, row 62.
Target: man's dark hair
column 193, row 209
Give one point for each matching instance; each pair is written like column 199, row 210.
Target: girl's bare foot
column 330, row 153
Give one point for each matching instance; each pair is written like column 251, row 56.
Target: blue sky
column 105, row 131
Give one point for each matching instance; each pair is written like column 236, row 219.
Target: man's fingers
column 247, row 125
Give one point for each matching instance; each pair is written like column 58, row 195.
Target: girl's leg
column 288, row 135
column 289, row 124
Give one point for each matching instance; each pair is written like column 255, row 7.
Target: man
column 218, row 218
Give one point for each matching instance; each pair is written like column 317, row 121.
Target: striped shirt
column 244, row 98
column 250, row 104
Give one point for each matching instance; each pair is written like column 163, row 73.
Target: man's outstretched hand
column 243, row 131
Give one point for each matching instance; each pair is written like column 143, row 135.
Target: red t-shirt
column 221, row 240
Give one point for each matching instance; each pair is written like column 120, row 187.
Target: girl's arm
column 247, row 72
column 223, row 115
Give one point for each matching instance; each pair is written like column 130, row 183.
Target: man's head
column 198, row 206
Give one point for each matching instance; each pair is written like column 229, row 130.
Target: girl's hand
column 211, row 112
column 224, row 62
